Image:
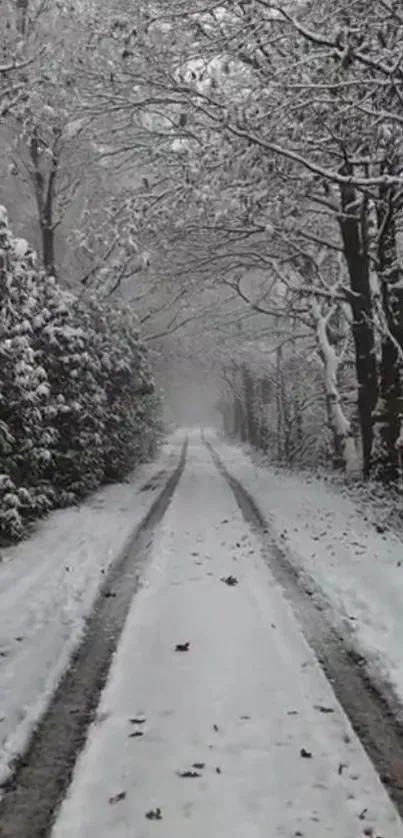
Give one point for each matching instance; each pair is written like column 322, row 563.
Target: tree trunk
column 299, row 422
column 249, row 401
column 48, row 247
column 22, row 12
column 279, row 406
column 265, row 395
column 389, row 410
column 353, row 232
column 44, row 193
column 345, row 449
column 243, row 425
column 47, row 221
column 239, row 406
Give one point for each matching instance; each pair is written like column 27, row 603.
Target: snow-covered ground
column 324, row 532
column 47, row 587
column 241, row 707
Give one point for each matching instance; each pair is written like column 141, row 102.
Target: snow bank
column 47, row 587
column 359, row 570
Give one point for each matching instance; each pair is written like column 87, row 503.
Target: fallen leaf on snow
column 380, row 528
column 117, row 797
column 136, row 734
column 199, row 765
column 229, row 580
column 323, row 709
column 305, row 754
column 188, row 774
column 154, row 815
column 182, row 647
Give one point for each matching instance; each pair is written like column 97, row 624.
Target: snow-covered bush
column 66, row 344
column 153, row 425
column 127, row 381
column 76, row 392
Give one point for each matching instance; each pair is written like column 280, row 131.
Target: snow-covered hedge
column 77, row 401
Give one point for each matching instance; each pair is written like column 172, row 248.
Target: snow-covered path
column 244, row 707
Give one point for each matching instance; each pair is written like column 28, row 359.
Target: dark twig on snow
column 182, row 647
column 154, row 814
column 229, row 580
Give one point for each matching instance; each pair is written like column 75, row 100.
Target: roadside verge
column 48, row 587
column 372, row 706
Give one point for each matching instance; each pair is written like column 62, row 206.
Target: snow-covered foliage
column 209, row 144
column 77, row 402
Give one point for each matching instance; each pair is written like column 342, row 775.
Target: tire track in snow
column 43, row 773
column 373, row 715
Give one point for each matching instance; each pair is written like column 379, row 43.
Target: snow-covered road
column 247, row 707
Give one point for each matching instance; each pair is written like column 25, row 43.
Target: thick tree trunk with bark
column 345, row 449
column 389, row 409
column 353, row 232
column 48, row 246
column 44, row 186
